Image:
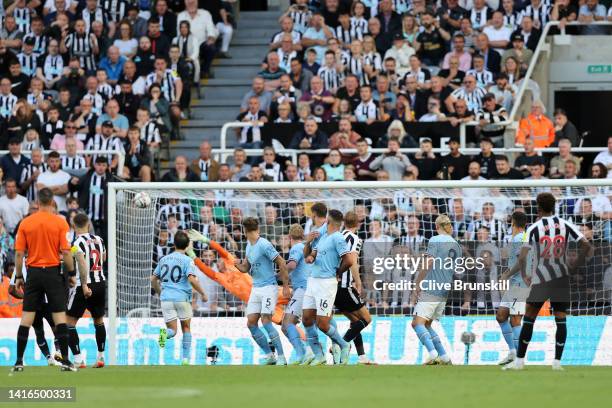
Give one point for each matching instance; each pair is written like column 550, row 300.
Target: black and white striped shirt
column 354, row 244
column 473, row 99
column 332, row 79
column 52, row 66
column 497, row 116
column 285, row 59
column 497, row 229
column 115, row 8
column 97, row 204
column 414, row 242
column 97, row 102
column 480, row 17
column 149, row 133
column 359, row 26
column 366, row 111
column 81, row 46
column 7, row 102
column 272, row 170
column 374, row 59
column 98, row 14
column 354, row 65
column 541, row 14
column 512, row 20
column 182, row 211
column 23, row 19
column 99, row 142
column 296, row 37
column 300, row 20
column 92, row 246
column 549, row 238
column 168, row 84
column 26, row 173
column 346, row 36
column 75, row 162
column 106, row 91
column 40, row 43
column 28, row 63
column 484, row 78
column 50, row 129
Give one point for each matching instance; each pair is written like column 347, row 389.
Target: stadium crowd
column 84, row 76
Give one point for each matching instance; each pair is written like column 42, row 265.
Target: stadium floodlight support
column 164, row 189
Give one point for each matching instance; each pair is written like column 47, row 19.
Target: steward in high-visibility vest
column 537, row 127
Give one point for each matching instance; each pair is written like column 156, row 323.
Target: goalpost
column 137, row 236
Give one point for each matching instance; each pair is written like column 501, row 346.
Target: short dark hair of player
column 546, row 202
column 45, row 196
column 250, row 224
column 350, row 220
column 181, row 240
column 519, row 219
column 319, row 209
column 335, row 217
column 81, row 220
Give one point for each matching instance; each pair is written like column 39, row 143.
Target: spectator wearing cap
column 426, row 160
column 113, row 64
column 13, row 162
column 504, row 91
column 401, row 53
column 605, row 157
column 564, row 129
column 454, row 164
column 557, row 163
column 536, row 126
column 528, row 158
column 518, row 51
column 106, row 139
column 459, row 51
column 504, row 171
column 204, row 30
column 486, row 158
column 489, row 117
column 530, row 34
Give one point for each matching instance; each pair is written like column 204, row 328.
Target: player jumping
column 90, row 290
column 513, row 302
column 549, row 238
column 432, row 301
column 260, row 259
column 330, row 257
column 174, row 278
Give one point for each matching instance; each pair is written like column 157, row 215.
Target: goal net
column 396, row 218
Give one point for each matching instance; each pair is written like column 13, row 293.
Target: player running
column 260, row 259
column 298, row 273
column 431, row 300
column 548, row 239
column 90, row 290
column 174, row 278
column 348, row 297
column 513, row 302
column 330, row 257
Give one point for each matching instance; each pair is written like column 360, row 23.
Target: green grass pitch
column 352, row 386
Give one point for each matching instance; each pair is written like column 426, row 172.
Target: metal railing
column 120, row 155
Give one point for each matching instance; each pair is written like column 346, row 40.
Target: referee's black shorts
column 348, row 300
column 96, row 303
column 43, row 281
column 556, row 290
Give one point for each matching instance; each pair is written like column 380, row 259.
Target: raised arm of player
column 283, row 274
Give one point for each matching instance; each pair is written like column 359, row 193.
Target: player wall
column 389, row 340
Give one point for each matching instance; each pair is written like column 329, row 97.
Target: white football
column 142, row 200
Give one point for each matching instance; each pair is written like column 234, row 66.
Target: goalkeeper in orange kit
column 237, row 283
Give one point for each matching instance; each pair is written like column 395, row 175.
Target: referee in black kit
column 42, row 238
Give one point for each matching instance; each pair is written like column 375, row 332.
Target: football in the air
column 142, row 200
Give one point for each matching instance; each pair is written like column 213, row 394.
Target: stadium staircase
column 221, row 95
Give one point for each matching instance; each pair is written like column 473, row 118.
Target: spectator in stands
column 138, row 158
column 270, row 167
column 427, row 161
column 284, row 113
column 537, row 126
column 137, row 23
column 320, row 100
column 286, row 93
column 13, row 207
column 13, row 162
column 492, row 57
column 160, row 42
column 401, row 52
column 504, row 91
column 461, row 113
column 272, row 73
column 402, row 110
column 504, row 171
column 368, row 110
column 528, row 158
column 128, row 101
column 316, row 35
column 181, row 171
column 605, row 157
column 113, row 64
column 349, row 92
column 166, row 17
column 105, row 140
column 188, row 47
column 300, row 77
column 291, row 173
column 145, row 58
column 598, row 170
column 570, row 170
column 204, row 31
column 310, row 62
column 563, row 12
column 250, row 136
column 557, row 163
column 486, row 158
column 334, row 169
column 483, row 76
column 158, row 106
column 453, row 76
column 564, row 129
column 71, row 160
column 60, row 139
column 257, row 89
column 363, row 160
column 518, row 51
column 417, row 98
column 497, row 32
column 390, row 22
column 434, row 114
column 119, row 121
column 464, row 57
column 23, row 118
column 310, row 138
column 205, row 167
column 345, row 137
column 304, row 167
column 591, row 11
column 287, row 27
column 10, row 33
column 530, row 34
column 240, row 168
column 454, row 164
column 30, row 174
column 56, row 179
column 471, row 92
column 488, row 118
column 393, row 161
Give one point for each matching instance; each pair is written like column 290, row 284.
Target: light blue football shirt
column 330, row 249
column 300, row 274
column 261, row 256
column 442, row 248
column 173, row 271
column 518, row 241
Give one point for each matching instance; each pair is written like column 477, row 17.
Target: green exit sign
column 599, row 69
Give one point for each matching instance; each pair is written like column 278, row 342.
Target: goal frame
column 115, row 187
